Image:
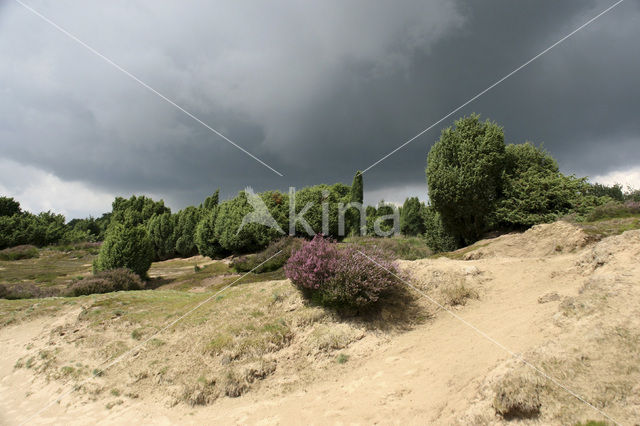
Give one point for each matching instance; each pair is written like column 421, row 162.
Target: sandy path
column 427, row 375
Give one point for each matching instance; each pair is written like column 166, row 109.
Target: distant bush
column 205, row 237
column 236, row 237
column 19, row 252
column 9, row 206
column 185, row 231
column 24, row 228
column 632, row 195
column 335, row 276
column 26, row 291
column 436, row 236
column 407, row 248
column 161, row 230
column 125, row 247
column 614, row 210
column 106, row 282
column 136, row 210
column 94, row 228
column 599, row 190
column 316, row 196
column 534, row 190
column 412, row 217
column 248, row 262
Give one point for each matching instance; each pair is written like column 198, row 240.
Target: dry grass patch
column 517, row 395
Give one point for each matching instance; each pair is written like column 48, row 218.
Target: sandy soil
column 539, row 294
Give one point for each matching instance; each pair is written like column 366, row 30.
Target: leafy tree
column 162, row 234
column 125, row 247
column 9, row 206
column 412, row 217
column 185, row 230
column 464, row 170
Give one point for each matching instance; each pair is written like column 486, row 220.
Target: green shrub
column 412, row 217
column 356, row 195
column 185, row 231
column 248, row 262
column 19, row 252
column 205, row 237
column 614, row 191
column 436, row 236
column 94, row 228
column 632, row 195
column 236, row 237
column 316, row 196
column 9, row 206
column 136, row 210
column 125, row 247
column 614, row 210
column 464, row 171
column 534, row 190
column 161, row 230
column 106, row 282
column 406, row 248
column 211, row 202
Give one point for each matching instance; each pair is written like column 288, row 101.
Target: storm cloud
column 317, row 90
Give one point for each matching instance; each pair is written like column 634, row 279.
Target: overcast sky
column 317, row 90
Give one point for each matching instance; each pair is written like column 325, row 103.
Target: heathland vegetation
column 477, row 185
column 300, row 306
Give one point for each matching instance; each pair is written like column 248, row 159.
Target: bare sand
column 543, row 295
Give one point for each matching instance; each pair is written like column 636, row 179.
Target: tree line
column 477, row 183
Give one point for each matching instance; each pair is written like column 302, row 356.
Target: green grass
column 51, row 268
column 15, row 311
column 607, row 227
column 407, row 248
column 19, row 253
column 342, row 358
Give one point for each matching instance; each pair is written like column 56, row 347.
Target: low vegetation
column 400, row 247
column 19, row 252
column 270, row 259
column 106, row 282
column 341, row 276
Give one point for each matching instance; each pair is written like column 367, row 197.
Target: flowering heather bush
column 340, row 276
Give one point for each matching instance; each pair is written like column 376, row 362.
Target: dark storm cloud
column 315, row 90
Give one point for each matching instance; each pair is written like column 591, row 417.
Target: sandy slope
column 440, row 372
